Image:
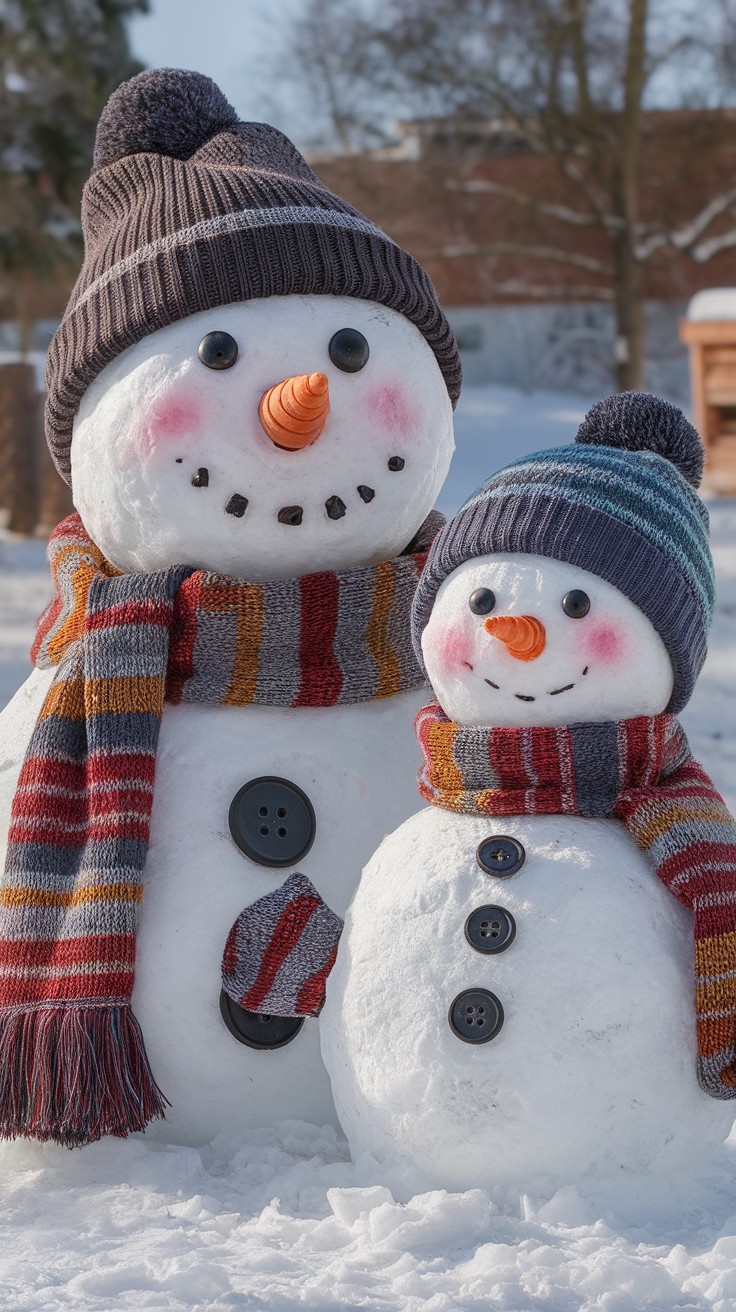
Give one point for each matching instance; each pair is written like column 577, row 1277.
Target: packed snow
column 591, row 1077
column 280, row 1219
column 714, row 304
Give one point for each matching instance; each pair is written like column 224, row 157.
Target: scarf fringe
column 72, row 1074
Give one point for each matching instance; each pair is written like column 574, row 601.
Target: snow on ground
column 280, row 1221
column 285, row 1222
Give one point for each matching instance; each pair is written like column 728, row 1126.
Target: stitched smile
column 526, row 697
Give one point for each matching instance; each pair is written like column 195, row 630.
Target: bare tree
column 572, row 79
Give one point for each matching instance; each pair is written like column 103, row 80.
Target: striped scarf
column 642, row 772
column 73, row 1065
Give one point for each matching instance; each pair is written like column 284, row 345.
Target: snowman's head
column 576, row 585
column 522, row 640
column 250, row 376
column 266, row 439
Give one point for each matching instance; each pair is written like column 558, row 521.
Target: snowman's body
column 567, row 1054
column 593, row 1070
column 163, row 447
column 357, row 766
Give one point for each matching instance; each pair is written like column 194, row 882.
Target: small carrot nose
column 294, row 412
column 523, row 634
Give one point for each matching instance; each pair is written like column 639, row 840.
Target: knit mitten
column 280, row 951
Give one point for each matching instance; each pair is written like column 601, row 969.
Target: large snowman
column 251, row 382
column 518, row 998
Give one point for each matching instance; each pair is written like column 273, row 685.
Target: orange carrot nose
column 523, row 634
column 294, row 412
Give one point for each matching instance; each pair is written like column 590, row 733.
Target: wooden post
column 54, row 497
column 697, row 389
column 18, row 446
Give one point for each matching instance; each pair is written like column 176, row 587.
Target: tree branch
column 455, row 251
column 686, row 238
column 574, row 174
column 561, row 212
column 646, row 244
column 567, row 291
column 705, row 250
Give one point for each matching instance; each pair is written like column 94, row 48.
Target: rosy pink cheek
column 452, row 649
column 389, row 408
column 171, row 418
column 605, row 644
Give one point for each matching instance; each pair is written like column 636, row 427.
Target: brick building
column 501, row 268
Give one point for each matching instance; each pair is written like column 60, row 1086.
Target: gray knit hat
column 621, row 504
column 186, row 209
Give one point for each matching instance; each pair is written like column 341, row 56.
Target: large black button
column 272, row 821
column 500, row 856
column 476, row 1016
column 490, row 929
column 255, row 1028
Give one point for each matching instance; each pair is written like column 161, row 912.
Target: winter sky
column 232, row 41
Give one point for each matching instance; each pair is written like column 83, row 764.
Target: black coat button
column 476, row 1016
column 490, row 929
column 500, row 856
column 257, row 1029
column 272, row 821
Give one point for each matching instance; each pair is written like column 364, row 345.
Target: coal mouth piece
column 237, row 504
column 290, row 515
column 527, row 697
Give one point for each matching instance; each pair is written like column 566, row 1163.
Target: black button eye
column 576, row 604
column 349, row 350
column 218, row 351
column 482, row 601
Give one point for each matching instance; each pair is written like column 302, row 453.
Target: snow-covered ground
column 284, row 1221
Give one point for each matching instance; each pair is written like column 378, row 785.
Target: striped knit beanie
column 620, row 503
column 188, row 208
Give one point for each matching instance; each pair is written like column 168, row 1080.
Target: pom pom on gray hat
column 188, row 208
column 620, row 503
column 167, row 111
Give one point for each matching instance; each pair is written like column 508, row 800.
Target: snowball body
column 593, row 1072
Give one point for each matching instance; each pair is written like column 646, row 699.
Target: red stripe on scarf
column 96, row 832
column 70, row 951
column 80, row 988
column 128, row 767
column 113, row 797
column 321, row 677
column 682, row 862
column 183, row 636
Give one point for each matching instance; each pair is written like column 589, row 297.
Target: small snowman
column 536, row 983
column 251, row 396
